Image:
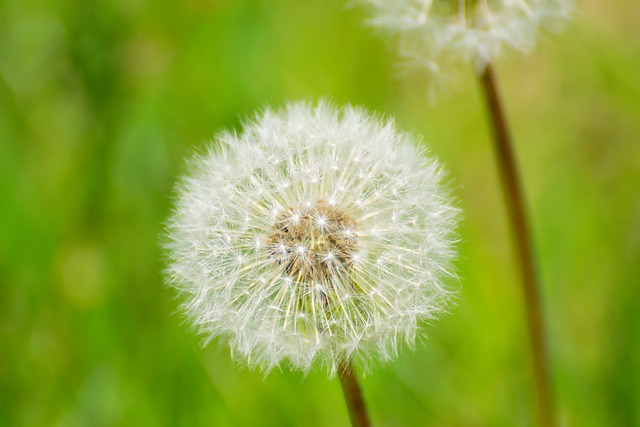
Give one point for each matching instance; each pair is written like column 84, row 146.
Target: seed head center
column 313, row 242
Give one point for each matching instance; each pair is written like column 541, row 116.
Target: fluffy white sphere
column 315, row 236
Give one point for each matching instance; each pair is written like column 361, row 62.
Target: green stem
column 523, row 246
column 353, row 395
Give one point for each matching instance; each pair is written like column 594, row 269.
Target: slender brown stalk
column 523, row 246
column 353, row 395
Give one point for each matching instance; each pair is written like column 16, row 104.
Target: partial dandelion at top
column 315, row 236
column 438, row 35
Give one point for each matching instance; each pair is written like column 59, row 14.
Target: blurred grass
column 101, row 101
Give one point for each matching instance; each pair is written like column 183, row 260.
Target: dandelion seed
column 326, row 269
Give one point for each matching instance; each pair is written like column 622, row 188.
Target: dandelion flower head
column 436, row 34
column 314, row 236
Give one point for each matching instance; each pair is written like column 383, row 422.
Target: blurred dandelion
column 317, row 235
column 437, row 35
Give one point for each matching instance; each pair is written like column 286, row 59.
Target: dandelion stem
column 353, row 395
column 523, row 245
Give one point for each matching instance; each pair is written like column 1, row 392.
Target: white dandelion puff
column 313, row 237
column 436, row 35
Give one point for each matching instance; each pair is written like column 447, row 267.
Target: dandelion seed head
column 343, row 262
column 437, row 35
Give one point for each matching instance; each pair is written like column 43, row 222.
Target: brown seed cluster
column 313, row 242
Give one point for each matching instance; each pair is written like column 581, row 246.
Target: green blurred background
column 101, row 101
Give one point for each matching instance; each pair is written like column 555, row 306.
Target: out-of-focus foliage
column 101, row 101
